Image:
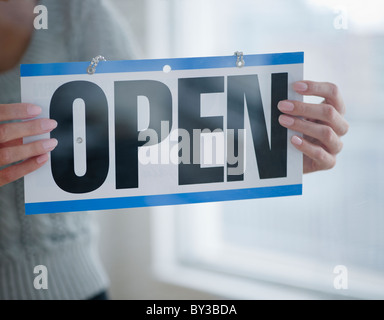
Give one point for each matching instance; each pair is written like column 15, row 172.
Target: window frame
column 270, row 281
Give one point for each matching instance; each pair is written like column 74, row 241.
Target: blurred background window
column 296, row 241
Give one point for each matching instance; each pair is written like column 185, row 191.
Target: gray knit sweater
column 65, row 243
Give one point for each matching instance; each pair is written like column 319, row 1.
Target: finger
column 18, row 111
column 319, row 158
column 19, row 170
column 320, row 132
column 26, row 151
column 329, row 91
column 12, row 131
column 12, row 143
column 323, row 112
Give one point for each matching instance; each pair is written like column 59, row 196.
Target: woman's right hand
column 33, row 155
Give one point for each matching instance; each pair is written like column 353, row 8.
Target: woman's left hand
column 322, row 125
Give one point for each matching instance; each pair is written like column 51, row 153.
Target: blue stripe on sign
column 52, row 69
column 161, row 200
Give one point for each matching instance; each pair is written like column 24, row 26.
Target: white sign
column 163, row 132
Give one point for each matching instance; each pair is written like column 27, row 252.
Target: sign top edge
column 189, row 63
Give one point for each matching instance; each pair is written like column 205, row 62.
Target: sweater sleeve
column 101, row 30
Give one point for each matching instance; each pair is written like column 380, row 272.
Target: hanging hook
column 95, row 61
column 240, row 59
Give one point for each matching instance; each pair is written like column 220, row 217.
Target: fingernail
column 41, row 159
column 285, row 106
column 297, row 141
column 50, row 144
column 48, row 124
column 33, row 110
column 286, row 121
column 300, row 86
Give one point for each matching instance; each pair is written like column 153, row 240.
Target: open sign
column 160, row 132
